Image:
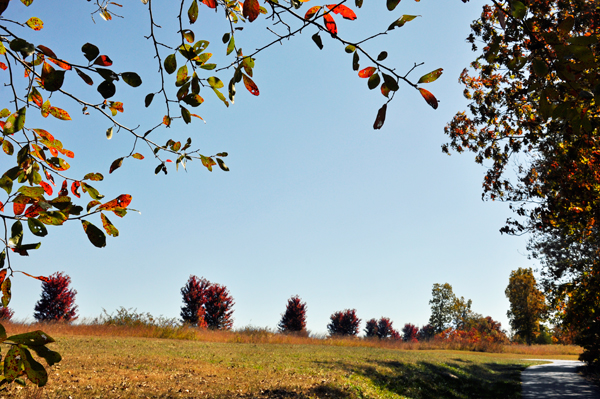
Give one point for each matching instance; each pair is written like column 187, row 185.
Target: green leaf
column 6, row 183
column 33, row 192
column 50, row 356
column 132, row 79
column 193, row 100
column 34, row 370
column 231, row 45
column 222, row 165
column 24, row 47
column 6, row 295
column 52, row 218
column 90, row 51
column 431, row 76
column 382, row 56
column 373, row 81
column 37, row 227
column 148, row 99
column 107, row 89
column 95, row 235
column 401, row 21
column 16, row 234
column 390, row 82
column 93, row 177
column 2, row 333
column 355, row 64
column 193, row 12
column 518, row 9
column 186, row 115
column 182, row 76
column 32, row 338
column 317, row 39
column 15, row 122
column 170, row 63
column 226, row 38
column 108, row 226
column 91, row 191
column 13, row 363
column 391, row 4
column 215, row 82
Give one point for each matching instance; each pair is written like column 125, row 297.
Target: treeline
column 210, row 305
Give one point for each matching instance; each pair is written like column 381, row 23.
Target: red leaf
column 47, row 188
column 430, row 98
column 60, row 63
column 115, row 165
column 210, row 3
column 122, row 201
column 85, row 77
column 103, row 60
column 167, row 121
column 33, row 211
column 63, row 190
column 1, row 207
column 251, row 9
column 49, row 177
column 18, row 208
column 46, row 51
column 41, row 278
column 60, row 114
column 344, row 11
column 380, row 117
column 330, row 24
column 75, row 188
column 367, row 72
column 3, row 66
column 250, row 85
column 311, row 12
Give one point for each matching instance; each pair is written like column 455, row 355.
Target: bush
column 58, row 300
column 294, row 318
column 371, row 328
column 385, row 329
column 130, row 318
column 426, row 333
column 344, row 323
column 206, row 304
column 410, row 333
column 6, row 313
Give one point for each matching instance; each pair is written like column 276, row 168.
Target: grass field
column 106, row 363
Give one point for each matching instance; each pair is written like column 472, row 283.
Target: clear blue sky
column 316, row 204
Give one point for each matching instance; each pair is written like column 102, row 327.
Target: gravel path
column 557, row 380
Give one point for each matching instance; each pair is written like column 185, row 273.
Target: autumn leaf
column 250, row 85
column 367, row 72
column 431, row 76
column 166, row 121
column 108, row 226
column 36, row 97
column 103, row 60
column 60, row 114
column 342, row 10
column 330, row 24
column 115, row 165
column 311, row 12
column 251, row 9
column 208, row 162
column 430, row 98
column 193, row 12
column 35, row 23
column 137, row 155
column 85, row 77
column 47, row 188
column 75, row 188
column 122, row 201
column 380, row 117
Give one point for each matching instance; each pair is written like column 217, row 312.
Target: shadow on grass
column 423, row 379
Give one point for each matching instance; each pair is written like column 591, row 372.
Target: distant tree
column 371, row 328
column 462, row 313
column 194, row 298
column 410, row 333
column 58, row 300
column 218, row 308
column 6, row 313
column 426, row 333
column 442, row 306
column 385, row 329
column 344, row 323
column 527, row 304
column 294, row 318
column 206, row 304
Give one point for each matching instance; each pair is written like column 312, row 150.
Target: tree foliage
column 293, row 320
column 41, row 189
column 410, row 333
column 371, row 328
column 344, row 323
column 6, row 313
column 206, row 304
column 442, row 302
column 527, row 304
column 58, row 300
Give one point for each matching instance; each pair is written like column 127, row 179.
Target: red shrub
column 410, row 333
column 385, row 329
column 58, row 300
column 371, row 328
column 6, row 313
column 294, row 318
column 206, row 304
column 344, row 323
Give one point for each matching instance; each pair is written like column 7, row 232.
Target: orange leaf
column 60, row 63
column 344, row 11
column 35, row 23
column 3, row 66
column 430, row 98
column 137, row 155
column 18, row 208
column 122, row 201
column 47, row 188
column 367, row 72
column 251, row 9
column 167, row 121
column 250, row 85
column 103, row 60
column 46, row 51
column 311, row 12
column 41, row 278
column 33, row 211
column 63, row 190
column 330, row 24
column 46, row 108
column 75, row 188
column 210, row 3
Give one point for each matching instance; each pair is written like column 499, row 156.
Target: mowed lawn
column 130, row 367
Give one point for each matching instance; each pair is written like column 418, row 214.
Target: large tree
column 58, row 300
column 442, row 305
column 293, row 320
column 534, row 117
column 344, row 323
column 206, row 304
column 41, row 187
column 527, row 304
